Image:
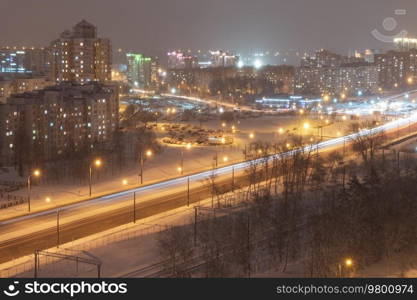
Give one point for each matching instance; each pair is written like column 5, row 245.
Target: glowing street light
column 35, row 173
column 348, row 262
column 148, row 153
column 251, row 135
column 47, row 200
column 225, row 159
column 281, row 130
column 97, row 163
column 124, row 182
column 306, row 125
column 258, row 64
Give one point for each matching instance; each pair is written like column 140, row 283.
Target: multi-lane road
column 22, row 235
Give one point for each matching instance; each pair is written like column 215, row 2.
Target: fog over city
column 238, row 25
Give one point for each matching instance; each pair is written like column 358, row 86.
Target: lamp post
column 97, row 163
column 134, row 207
column 35, row 173
column 348, row 263
column 188, row 147
column 148, row 154
column 48, row 200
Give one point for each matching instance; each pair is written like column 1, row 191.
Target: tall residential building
column 80, row 56
column 397, row 68
column 405, row 44
column 19, row 83
column 221, row 58
column 12, row 60
column 48, row 123
column 139, row 70
column 347, row 80
column 180, row 60
column 19, row 60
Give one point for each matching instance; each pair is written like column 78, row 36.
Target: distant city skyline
column 244, row 26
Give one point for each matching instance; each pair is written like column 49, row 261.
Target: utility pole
column 233, row 179
column 182, row 161
column 188, row 191
column 134, row 207
column 141, row 166
column 195, row 226
column 57, row 228
column 90, row 178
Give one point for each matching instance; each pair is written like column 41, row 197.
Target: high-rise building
column 179, row 60
column 19, row 60
column 405, row 44
column 80, row 56
column 12, row 60
column 139, row 70
column 221, row 58
column 49, row 122
column 397, row 68
column 346, row 80
column 19, row 83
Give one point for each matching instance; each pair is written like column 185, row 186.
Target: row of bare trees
column 309, row 210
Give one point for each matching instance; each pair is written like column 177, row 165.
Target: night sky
column 154, row 26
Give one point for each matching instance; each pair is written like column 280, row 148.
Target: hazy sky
column 241, row 25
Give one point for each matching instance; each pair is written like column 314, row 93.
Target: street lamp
column 148, row 153
column 97, row 163
column 35, row 173
column 348, row 263
column 188, row 147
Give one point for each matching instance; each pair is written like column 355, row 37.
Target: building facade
column 80, row 56
column 397, row 69
column 340, row 82
column 139, row 70
column 57, row 119
column 24, row 60
column 20, row 83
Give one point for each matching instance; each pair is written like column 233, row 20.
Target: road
column 22, row 235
